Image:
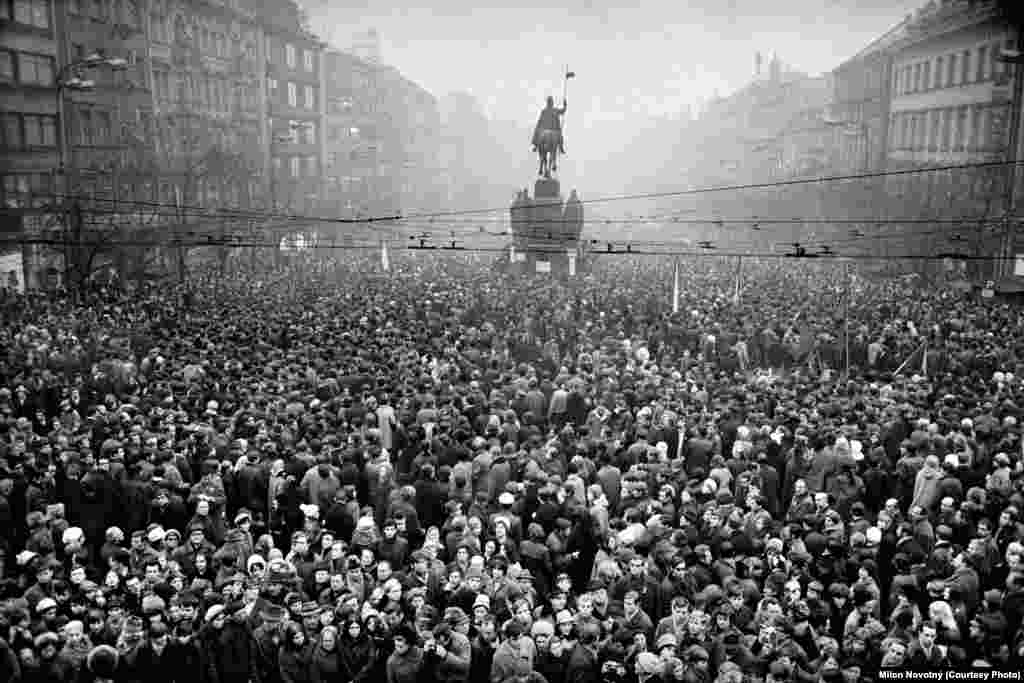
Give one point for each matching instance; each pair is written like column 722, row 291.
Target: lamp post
column 68, row 79
column 1013, row 57
column 279, row 140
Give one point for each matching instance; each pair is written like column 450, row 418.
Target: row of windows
column 212, row 93
column 26, row 68
column 27, row 131
column 94, row 127
column 124, row 12
column 298, row 167
column 952, row 129
column 29, row 12
column 308, row 94
column 208, row 41
column 291, row 58
column 301, row 132
column 957, row 68
column 17, row 189
column 336, row 133
column 361, row 154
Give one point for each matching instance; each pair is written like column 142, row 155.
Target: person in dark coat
column 357, row 651
column 325, row 663
column 150, row 662
column 229, row 646
column 102, row 665
column 583, row 664
column 293, row 658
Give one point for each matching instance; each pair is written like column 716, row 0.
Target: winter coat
column 454, row 667
column 405, row 668
column 510, row 660
column 294, row 666
column 231, row 655
column 325, row 667
column 926, row 487
column 357, row 658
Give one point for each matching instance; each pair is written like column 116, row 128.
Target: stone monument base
column 547, row 188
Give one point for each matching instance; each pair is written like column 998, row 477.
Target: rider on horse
column 550, row 119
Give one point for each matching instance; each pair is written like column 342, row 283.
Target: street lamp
column 69, row 79
column 1014, row 56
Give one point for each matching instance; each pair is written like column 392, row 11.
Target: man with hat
column 268, row 637
column 229, row 644
column 196, row 544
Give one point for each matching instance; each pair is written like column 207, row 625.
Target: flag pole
column 846, row 318
column 910, row 357
column 565, row 89
column 675, row 287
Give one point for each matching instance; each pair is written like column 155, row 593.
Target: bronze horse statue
column 548, row 142
column 547, row 137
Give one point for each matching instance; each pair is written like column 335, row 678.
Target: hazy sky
column 646, row 58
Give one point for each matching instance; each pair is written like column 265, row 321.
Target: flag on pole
column 924, row 360
column 570, row 74
column 675, row 288
column 385, row 261
column 911, row 361
column 739, row 281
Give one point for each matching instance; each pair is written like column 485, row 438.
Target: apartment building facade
column 951, row 105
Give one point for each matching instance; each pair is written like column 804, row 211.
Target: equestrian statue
column 547, row 137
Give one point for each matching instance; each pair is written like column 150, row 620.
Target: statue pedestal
column 547, row 188
column 546, row 239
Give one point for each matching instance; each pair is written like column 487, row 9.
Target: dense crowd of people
column 328, row 473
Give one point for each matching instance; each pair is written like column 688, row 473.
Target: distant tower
column 757, row 65
column 775, row 68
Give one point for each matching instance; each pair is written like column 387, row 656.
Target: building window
column 40, row 131
column 295, row 163
column 353, row 132
column 946, row 121
column 917, row 78
column 6, row 66
column 74, row 6
column 940, row 72
column 332, row 159
column 965, row 67
column 308, row 97
column 103, row 128
column 926, row 76
column 982, row 63
column 307, row 60
column 31, row 12
column 974, row 143
column 35, row 69
column 85, row 130
column 289, row 55
column 293, row 95
column 960, row 130
column 951, row 76
column 271, row 84
column 13, row 137
column 998, row 68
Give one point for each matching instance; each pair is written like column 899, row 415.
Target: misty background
column 644, row 70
